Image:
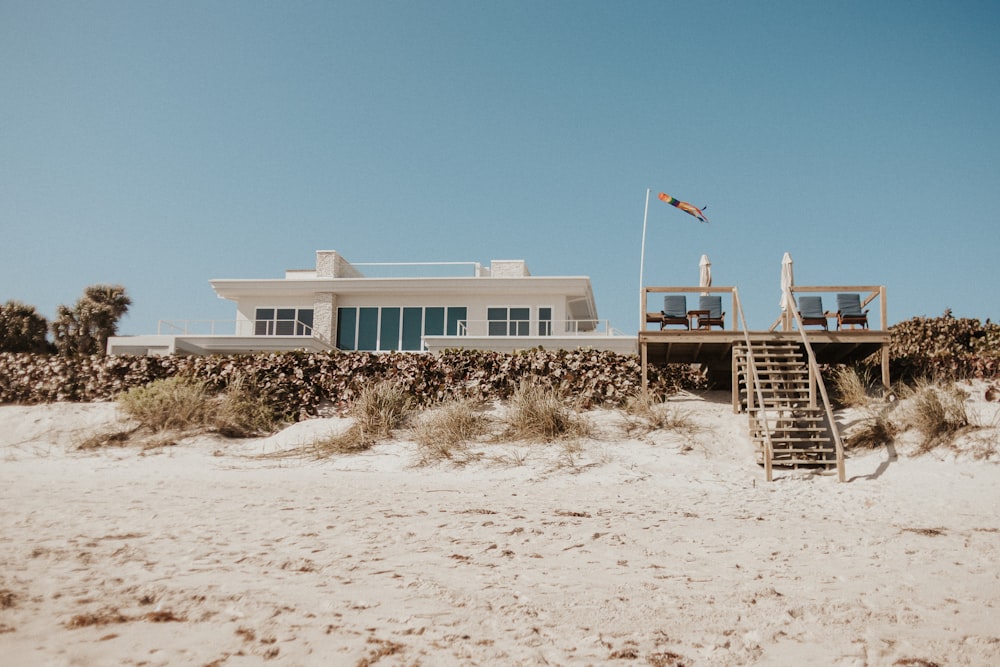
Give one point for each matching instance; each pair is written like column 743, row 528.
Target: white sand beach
column 659, row 550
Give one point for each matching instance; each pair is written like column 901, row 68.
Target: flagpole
column 642, row 263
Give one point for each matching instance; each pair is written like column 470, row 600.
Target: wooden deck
column 716, row 347
column 713, row 348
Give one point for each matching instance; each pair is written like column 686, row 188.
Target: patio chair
column 811, row 311
column 710, row 312
column 849, row 311
column 674, row 311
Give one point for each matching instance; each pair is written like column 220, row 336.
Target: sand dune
column 662, row 550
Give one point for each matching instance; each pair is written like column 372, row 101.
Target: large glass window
column 347, row 327
column 283, row 322
column 367, row 328
column 388, row 335
column 386, row 329
column 412, row 328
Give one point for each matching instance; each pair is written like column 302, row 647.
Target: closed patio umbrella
column 705, row 276
column 787, row 280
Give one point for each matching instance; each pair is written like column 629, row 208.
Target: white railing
column 235, row 328
column 420, row 269
column 516, row 328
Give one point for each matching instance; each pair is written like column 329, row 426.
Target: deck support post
column 645, row 366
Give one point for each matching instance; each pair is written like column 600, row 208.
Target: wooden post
column 645, row 367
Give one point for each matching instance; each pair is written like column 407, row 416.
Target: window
column 544, row 321
column 347, row 327
column 457, row 321
column 386, row 329
column 412, row 328
column 508, row 321
column 283, row 322
column 388, row 336
column 367, row 328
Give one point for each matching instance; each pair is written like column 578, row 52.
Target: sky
column 159, row 145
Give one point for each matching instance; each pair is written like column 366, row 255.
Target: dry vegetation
column 643, row 412
column 854, row 387
column 165, row 410
column 378, row 410
column 445, row 432
column 937, row 411
column 933, row 413
column 536, row 412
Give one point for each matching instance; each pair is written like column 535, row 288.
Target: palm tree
column 85, row 328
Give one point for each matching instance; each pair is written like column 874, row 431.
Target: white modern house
column 387, row 307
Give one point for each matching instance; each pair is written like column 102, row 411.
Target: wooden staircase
column 800, row 435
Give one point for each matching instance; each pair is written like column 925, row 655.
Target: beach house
column 385, row 307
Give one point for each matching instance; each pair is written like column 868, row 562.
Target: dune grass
column 853, row 387
column 937, row 411
column 536, row 412
column 644, row 412
column 445, row 432
column 377, row 410
column 875, row 430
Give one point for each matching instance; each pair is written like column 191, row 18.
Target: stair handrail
column 755, row 379
column 814, row 371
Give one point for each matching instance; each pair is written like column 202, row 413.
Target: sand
column 664, row 549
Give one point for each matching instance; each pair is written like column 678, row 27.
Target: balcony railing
column 235, row 328
column 513, row 328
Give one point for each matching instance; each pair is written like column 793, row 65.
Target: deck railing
column 651, row 313
column 816, row 380
column 868, row 294
column 241, row 328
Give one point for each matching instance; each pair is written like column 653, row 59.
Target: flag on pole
column 684, row 206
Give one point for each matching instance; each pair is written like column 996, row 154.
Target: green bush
column 172, row 404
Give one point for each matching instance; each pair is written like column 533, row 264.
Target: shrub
column 176, row 403
column 875, row 430
column 645, row 412
column 937, row 411
column 242, row 411
column 22, row 329
column 382, row 407
column 378, row 409
column 445, row 432
column 536, row 412
column 852, row 386
column 946, row 346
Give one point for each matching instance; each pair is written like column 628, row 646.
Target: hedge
column 298, row 384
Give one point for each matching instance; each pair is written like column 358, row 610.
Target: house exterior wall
column 414, row 305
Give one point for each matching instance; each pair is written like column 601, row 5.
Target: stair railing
column 755, row 381
column 814, row 372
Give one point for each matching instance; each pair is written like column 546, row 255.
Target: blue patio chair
column 811, row 311
column 849, row 311
column 712, row 305
column 674, row 311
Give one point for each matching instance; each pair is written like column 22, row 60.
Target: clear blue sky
column 162, row 144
